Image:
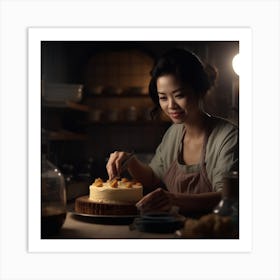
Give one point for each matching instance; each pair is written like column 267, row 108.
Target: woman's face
column 176, row 101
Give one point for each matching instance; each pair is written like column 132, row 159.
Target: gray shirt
column 222, row 152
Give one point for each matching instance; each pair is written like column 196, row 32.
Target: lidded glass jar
column 53, row 199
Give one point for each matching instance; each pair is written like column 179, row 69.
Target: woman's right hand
column 114, row 165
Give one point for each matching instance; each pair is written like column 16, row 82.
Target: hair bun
column 212, row 74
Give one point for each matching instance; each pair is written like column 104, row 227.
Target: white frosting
column 119, row 195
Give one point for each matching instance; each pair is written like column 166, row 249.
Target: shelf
column 66, row 136
column 67, row 105
column 76, row 106
column 130, row 123
column 111, row 95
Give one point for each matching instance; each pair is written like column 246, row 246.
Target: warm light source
column 236, row 64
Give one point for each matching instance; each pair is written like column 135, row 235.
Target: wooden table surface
column 81, row 227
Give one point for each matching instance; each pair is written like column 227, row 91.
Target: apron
column 178, row 181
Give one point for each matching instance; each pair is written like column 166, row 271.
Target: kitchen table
column 83, row 227
column 80, row 226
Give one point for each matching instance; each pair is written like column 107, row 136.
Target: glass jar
column 229, row 204
column 53, row 199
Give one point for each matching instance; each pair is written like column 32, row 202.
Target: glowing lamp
column 236, row 64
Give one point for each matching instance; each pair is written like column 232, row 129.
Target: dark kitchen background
column 95, row 101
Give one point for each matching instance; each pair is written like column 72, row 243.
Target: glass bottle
column 53, row 199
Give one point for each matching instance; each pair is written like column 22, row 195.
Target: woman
column 196, row 151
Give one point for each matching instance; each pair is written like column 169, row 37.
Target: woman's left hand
column 157, row 201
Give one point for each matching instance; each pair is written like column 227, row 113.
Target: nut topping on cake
column 113, row 183
column 124, row 180
column 128, row 185
column 98, row 183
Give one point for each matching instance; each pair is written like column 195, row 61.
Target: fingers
column 154, row 197
column 158, row 200
column 113, row 165
column 109, row 166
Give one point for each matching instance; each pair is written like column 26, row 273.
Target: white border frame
column 36, row 35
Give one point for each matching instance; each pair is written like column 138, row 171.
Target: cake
column 113, row 197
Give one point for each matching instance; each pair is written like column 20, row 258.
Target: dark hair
column 187, row 68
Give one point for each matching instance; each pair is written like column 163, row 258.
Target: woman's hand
column 157, row 201
column 114, row 165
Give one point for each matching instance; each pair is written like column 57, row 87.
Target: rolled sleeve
column 227, row 159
